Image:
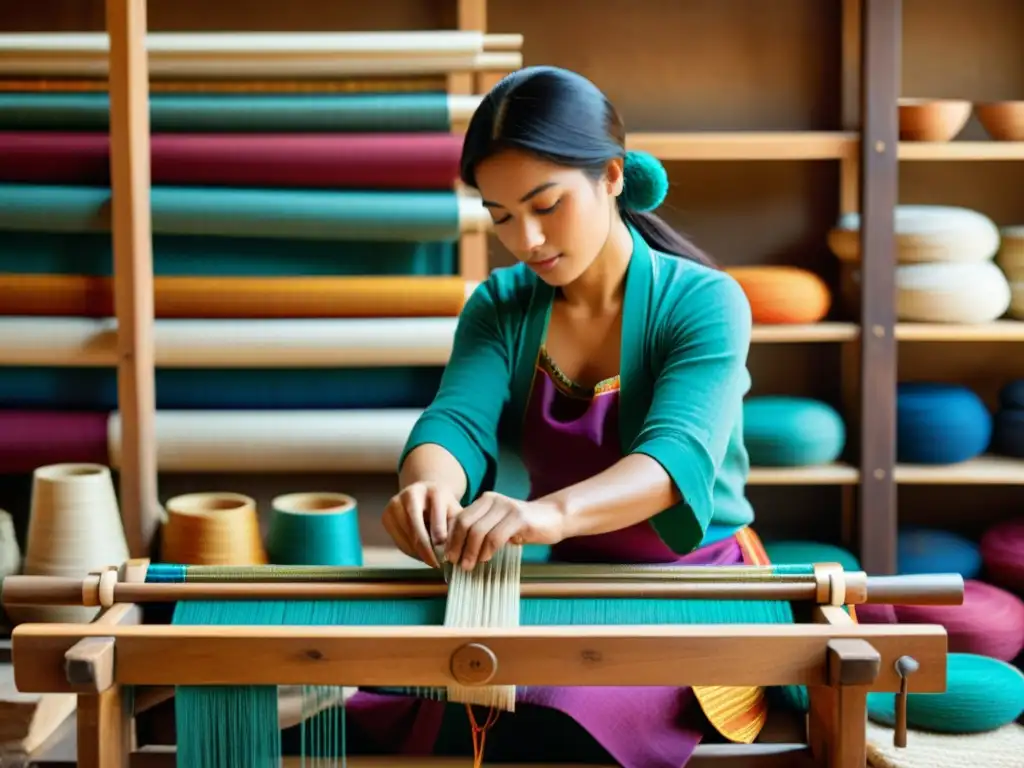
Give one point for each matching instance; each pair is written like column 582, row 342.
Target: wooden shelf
column 816, row 332
column 961, row 150
column 1001, row 330
column 744, row 145
column 987, row 470
column 829, row 474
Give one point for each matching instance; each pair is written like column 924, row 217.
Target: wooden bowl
column 932, row 119
column 1002, row 120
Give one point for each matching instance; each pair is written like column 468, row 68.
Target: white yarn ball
column 925, row 233
column 951, row 293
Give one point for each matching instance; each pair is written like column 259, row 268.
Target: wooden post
column 131, row 231
column 880, row 78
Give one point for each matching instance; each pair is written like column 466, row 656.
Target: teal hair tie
column 646, row 182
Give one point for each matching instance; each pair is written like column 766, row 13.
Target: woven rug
column 1002, row 748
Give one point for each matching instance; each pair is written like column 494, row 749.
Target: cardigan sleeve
column 697, row 398
column 464, row 415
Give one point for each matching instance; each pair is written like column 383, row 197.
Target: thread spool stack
column 212, row 529
column 315, row 529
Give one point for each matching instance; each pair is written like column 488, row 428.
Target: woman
column 611, row 360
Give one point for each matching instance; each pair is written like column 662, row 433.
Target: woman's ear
column 614, row 176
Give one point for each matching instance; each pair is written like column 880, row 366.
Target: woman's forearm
column 432, row 463
column 632, row 490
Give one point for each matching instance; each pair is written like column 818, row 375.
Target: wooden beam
column 880, row 79
column 131, row 231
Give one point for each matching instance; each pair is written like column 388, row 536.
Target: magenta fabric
column 32, row 439
column 1002, row 555
column 411, row 161
column 567, row 440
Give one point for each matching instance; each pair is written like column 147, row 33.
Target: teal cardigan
column 683, row 376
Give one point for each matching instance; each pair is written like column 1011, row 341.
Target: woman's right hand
column 418, row 517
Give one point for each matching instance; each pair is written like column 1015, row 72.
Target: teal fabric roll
column 781, row 431
column 791, row 552
column 981, row 694
column 314, row 529
column 234, row 212
column 251, row 113
column 91, row 253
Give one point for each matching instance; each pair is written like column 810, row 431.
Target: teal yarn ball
column 314, row 529
column 803, row 552
column 645, row 183
column 781, row 431
column 982, row 694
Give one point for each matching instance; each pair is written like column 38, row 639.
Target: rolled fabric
column 940, row 423
column 314, row 529
column 1002, row 553
column 925, row 233
column 417, row 161
column 241, row 297
column 781, row 431
column 779, row 295
column 251, row 112
column 33, row 439
column 989, row 622
column 1008, row 433
column 981, row 694
column 924, row 550
column 951, row 293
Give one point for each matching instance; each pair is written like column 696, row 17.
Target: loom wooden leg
column 837, row 720
column 104, row 730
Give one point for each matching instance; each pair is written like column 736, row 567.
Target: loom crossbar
column 734, row 654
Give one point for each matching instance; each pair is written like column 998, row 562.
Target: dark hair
column 562, row 117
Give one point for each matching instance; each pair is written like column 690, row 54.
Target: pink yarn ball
column 1002, row 554
column 875, row 613
column 990, row 622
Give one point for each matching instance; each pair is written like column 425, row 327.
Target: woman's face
column 555, row 219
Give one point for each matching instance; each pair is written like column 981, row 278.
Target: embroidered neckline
column 570, row 387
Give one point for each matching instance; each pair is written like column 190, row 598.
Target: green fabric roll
column 279, row 213
column 981, row 694
column 335, row 113
column 792, row 431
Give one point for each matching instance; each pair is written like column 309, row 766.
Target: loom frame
column 839, row 660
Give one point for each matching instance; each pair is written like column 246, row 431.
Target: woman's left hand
column 492, row 521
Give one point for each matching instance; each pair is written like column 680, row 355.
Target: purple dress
column 571, row 434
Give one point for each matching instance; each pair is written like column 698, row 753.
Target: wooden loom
column 838, row 660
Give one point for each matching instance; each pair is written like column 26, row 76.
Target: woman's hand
column 493, row 520
column 418, row 516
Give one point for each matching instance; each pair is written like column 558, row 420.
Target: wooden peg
column 905, row 667
column 473, row 664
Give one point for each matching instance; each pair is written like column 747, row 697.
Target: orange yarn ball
column 783, row 295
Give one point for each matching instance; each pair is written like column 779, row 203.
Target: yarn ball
column 1012, row 394
column 876, row 613
column 783, row 431
column 981, row 694
column 989, row 622
column 803, row 552
column 940, row 423
column 1008, row 432
column 645, row 184
column 976, row 292
column 1011, row 251
column 1002, row 553
column 783, row 294
column 1016, row 308
column 927, row 550
column 925, row 233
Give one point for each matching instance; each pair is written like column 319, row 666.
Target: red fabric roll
column 990, row 622
column 340, row 161
column 1002, row 555
column 31, row 439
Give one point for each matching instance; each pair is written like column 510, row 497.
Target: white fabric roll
column 925, row 233
column 951, row 293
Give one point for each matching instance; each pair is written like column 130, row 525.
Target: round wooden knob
column 474, row 664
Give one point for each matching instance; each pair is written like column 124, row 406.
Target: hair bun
column 646, row 182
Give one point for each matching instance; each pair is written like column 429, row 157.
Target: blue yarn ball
column 1012, row 394
column 982, row 694
column 940, row 424
column 1008, row 434
column 783, row 431
column 927, row 550
column 645, row 183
